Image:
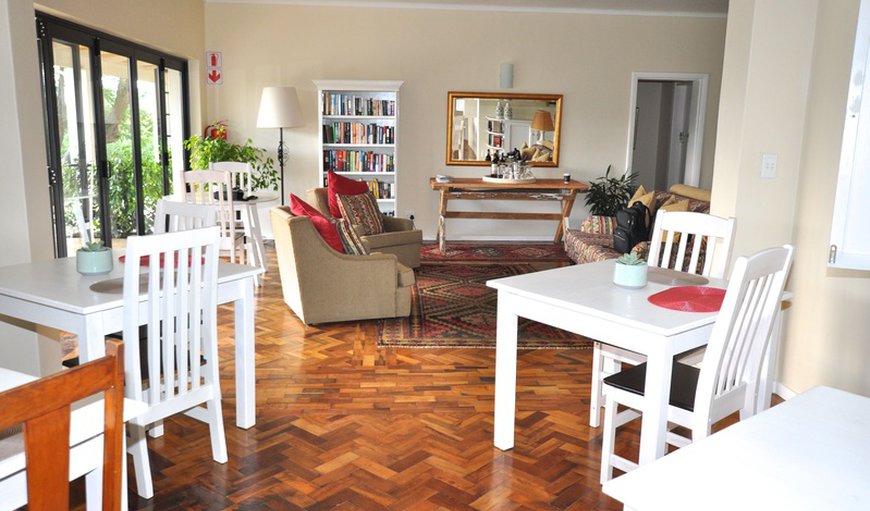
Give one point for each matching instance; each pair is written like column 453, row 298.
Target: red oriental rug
column 501, row 253
column 451, row 307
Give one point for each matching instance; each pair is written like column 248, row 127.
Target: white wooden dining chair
column 214, row 188
column 171, row 216
column 67, row 433
column 728, row 380
column 695, row 243
column 180, row 314
column 240, row 173
column 241, row 176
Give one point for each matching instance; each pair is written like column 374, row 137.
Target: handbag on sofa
column 632, row 227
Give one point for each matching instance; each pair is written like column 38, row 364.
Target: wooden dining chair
column 696, row 243
column 728, row 380
column 241, row 174
column 214, row 188
column 180, row 315
column 171, row 216
column 44, row 408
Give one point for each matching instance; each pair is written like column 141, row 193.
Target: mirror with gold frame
column 481, row 123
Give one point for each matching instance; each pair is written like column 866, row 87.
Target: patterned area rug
column 451, row 307
column 457, row 251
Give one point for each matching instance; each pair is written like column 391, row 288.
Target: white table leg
column 94, row 489
column 245, row 397
column 505, row 373
column 92, row 338
column 257, row 233
column 654, row 424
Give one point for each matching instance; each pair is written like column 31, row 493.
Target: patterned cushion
column 596, row 224
column 339, row 185
column 349, row 239
column 583, row 248
column 362, row 210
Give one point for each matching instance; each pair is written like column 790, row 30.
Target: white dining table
column 809, row 453
column 52, row 293
column 583, row 299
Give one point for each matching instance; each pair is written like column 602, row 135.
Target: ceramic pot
column 632, row 276
column 94, row 263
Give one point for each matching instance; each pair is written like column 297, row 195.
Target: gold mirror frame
column 550, row 102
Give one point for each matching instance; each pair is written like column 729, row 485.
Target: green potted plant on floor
column 606, row 195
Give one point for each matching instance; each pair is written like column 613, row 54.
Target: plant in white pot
column 630, row 271
column 94, row 259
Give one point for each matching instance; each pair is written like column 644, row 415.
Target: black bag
column 632, row 227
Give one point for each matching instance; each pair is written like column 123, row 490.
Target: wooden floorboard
column 343, row 424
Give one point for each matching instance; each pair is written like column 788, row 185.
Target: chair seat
column 684, row 383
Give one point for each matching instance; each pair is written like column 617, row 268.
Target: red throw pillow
column 340, row 185
column 326, row 229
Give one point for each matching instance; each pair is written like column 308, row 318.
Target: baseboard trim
column 783, row 391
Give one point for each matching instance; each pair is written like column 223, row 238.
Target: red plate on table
column 690, row 298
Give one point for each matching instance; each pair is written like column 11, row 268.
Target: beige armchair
column 400, row 237
column 321, row 285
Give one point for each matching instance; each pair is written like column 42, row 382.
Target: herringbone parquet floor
column 342, row 424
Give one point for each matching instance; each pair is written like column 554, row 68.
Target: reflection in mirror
column 483, row 124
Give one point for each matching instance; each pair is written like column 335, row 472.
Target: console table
column 477, row 189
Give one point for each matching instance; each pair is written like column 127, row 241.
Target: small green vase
column 94, row 262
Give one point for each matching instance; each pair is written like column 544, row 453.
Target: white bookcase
column 359, row 134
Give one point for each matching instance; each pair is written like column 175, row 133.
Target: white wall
column 587, row 58
column 784, row 86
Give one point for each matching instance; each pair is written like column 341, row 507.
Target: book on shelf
column 352, row 104
column 352, row 160
column 347, row 132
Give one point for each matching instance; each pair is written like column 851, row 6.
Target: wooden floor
column 344, row 425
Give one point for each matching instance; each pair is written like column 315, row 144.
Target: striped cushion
column 349, row 239
column 362, row 210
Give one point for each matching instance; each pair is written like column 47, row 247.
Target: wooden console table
column 477, row 189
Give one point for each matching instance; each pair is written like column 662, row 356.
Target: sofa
column 593, row 240
column 321, row 285
column 400, row 238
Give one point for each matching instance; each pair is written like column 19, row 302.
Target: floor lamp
column 279, row 108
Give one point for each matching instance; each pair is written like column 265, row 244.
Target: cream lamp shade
column 543, row 121
column 279, row 108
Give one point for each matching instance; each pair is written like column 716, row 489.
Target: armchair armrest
column 393, row 224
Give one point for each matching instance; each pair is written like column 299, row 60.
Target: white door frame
column 697, row 114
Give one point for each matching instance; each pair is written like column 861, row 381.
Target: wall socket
column 768, row 165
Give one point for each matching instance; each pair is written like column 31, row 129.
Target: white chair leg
column 94, row 489
column 141, row 464
column 216, row 430
column 595, row 393
column 608, row 441
column 156, row 429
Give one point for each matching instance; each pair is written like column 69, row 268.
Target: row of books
column 358, row 133
column 346, row 160
column 381, row 190
column 495, row 140
column 349, row 104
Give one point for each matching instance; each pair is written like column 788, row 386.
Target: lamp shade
column 543, row 121
column 279, row 108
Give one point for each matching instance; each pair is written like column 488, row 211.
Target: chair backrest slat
column 215, row 187
column 716, row 232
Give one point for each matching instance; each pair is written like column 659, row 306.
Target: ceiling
column 640, row 7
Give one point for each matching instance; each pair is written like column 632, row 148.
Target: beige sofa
column 400, row 237
column 321, row 285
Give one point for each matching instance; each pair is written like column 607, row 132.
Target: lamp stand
column 281, row 161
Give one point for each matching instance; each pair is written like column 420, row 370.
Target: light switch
column 768, row 165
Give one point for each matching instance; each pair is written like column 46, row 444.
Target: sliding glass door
column 115, row 124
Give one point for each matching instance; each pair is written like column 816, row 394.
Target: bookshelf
column 359, row 131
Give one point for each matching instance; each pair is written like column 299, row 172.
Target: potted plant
column 215, row 147
column 606, row 195
column 94, row 259
column 630, row 271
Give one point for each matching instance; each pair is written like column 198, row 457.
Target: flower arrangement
column 214, row 147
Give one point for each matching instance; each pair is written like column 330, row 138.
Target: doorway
column 115, row 122
column 666, row 128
